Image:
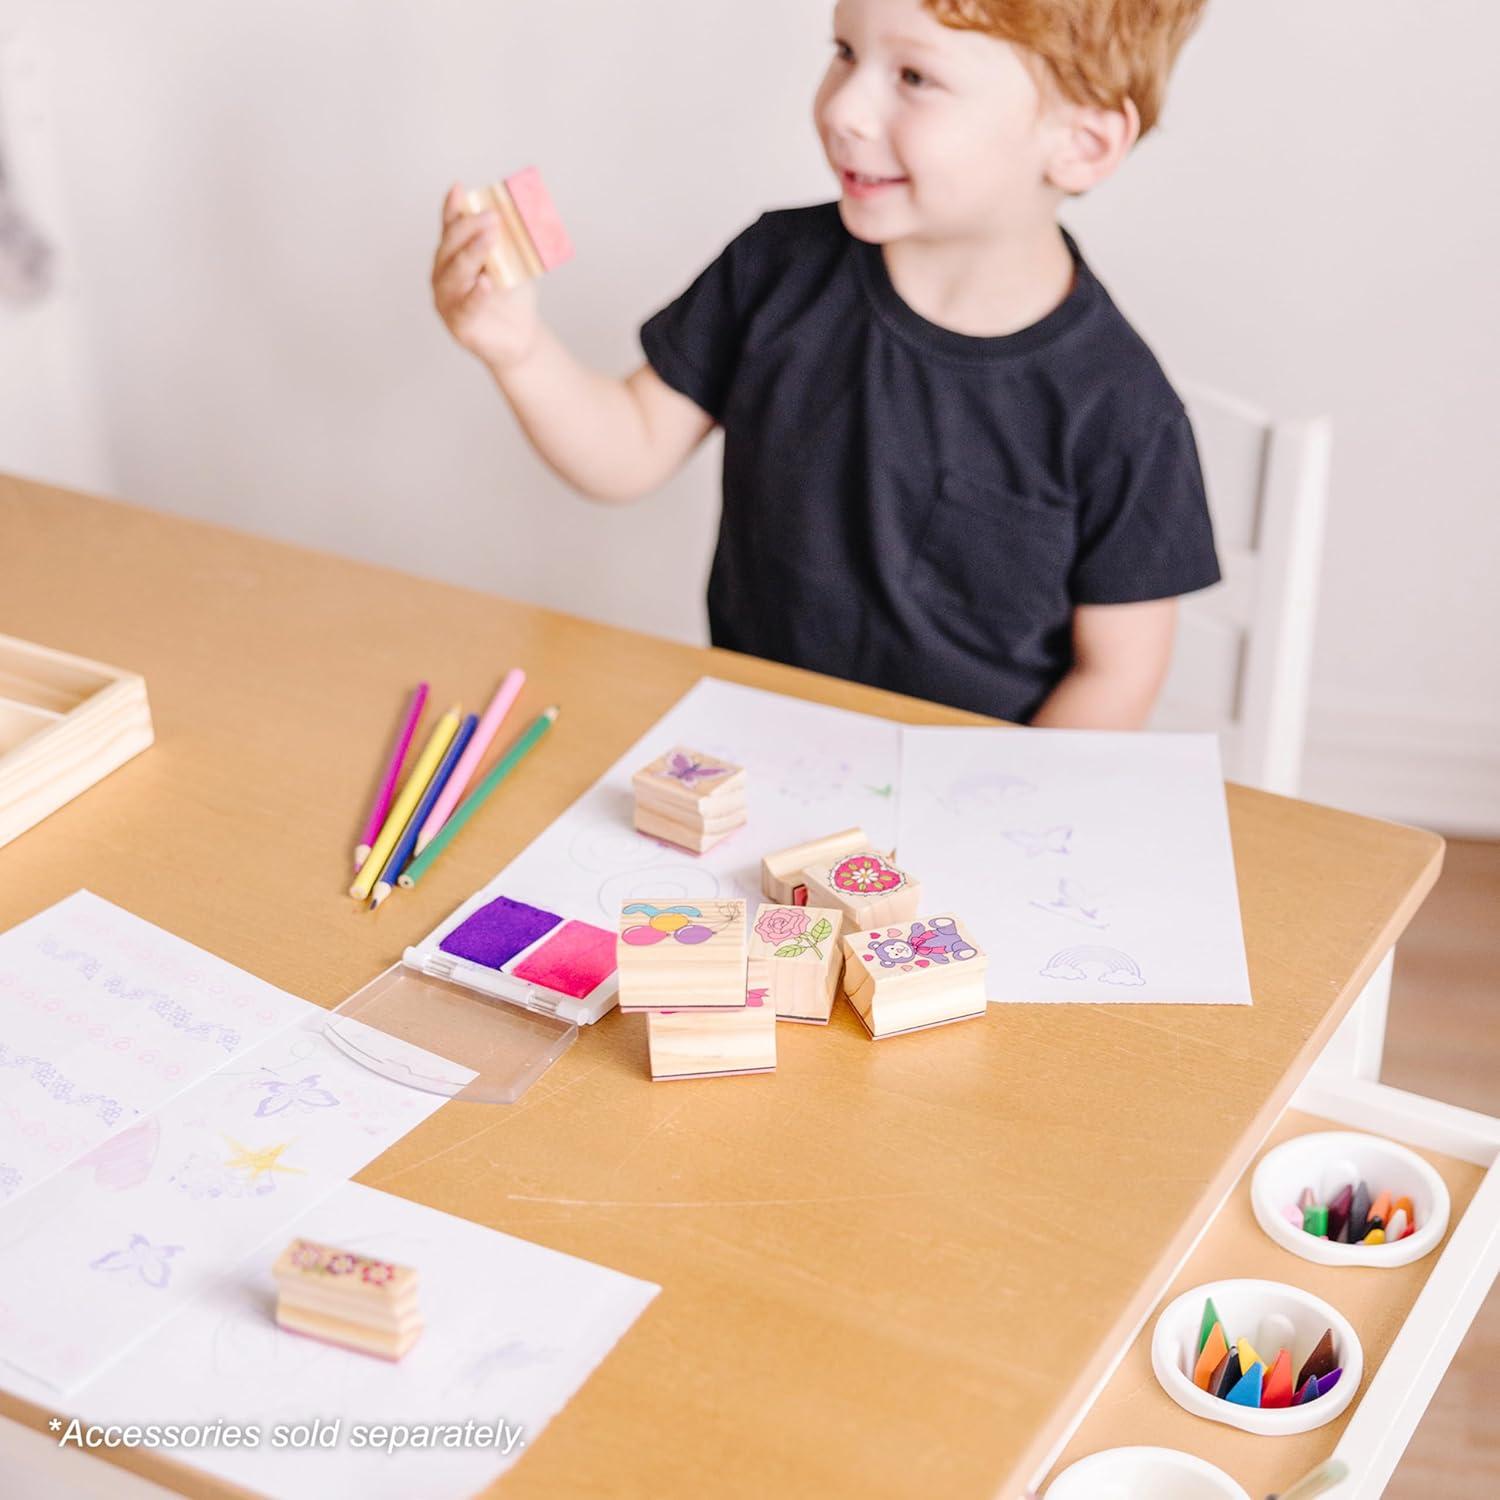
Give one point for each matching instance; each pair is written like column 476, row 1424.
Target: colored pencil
column 407, row 842
column 376, row 821
column 500, row 705
column 467, row 808
column 405, row 804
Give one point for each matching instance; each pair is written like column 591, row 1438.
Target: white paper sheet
column 104, row 1251
column 512, row 1332
column 1089, row 866
column 104, row 1017
column 812, row 770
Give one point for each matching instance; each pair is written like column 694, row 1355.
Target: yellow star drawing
column 258, row 1163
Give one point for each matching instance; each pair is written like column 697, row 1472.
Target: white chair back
column 1244, row 647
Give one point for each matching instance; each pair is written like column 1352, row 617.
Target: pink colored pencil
column 505, row 695
column 376, row 821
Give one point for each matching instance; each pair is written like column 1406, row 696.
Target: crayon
column 1278, row 1387
column 1206, row 1322
column 1210, row 1358
column 1247, row 1389
column 1320, row 1361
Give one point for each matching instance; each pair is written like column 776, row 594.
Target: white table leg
column 1357, row 1047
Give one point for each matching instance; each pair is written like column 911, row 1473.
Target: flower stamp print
column 865, row 875
column 793, row 931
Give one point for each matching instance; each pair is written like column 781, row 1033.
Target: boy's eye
column 914, row 78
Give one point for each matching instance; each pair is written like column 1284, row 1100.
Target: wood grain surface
column 887, row 1270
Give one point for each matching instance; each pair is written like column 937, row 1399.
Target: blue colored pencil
column 407, row 843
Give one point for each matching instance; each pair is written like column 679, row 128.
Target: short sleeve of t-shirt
column 694, row 342
column 1144, row 529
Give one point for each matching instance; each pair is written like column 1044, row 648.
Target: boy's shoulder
column 798, row 225
column 1113, row 375
column 782, row 238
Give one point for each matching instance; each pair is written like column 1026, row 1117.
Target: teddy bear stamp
column 907, row 975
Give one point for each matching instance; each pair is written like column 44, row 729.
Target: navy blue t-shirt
column 916, row 508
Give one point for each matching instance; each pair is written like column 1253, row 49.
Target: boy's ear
column 1091, row 145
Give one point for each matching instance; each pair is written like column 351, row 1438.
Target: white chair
column 1244, row 647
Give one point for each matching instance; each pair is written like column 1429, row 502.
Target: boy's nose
column 849, row 111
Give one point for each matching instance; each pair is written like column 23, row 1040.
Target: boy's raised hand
column 499, row 324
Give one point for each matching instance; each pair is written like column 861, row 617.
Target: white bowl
column 1242, row 1307
column 1144, row 1474
column 1314, row 1161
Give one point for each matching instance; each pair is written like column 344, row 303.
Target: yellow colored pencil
column 406, row 803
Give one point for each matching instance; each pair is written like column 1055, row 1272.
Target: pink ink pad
column 574, row 961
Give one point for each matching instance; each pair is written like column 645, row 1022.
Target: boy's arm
column 1120, row 657
column 614, row 440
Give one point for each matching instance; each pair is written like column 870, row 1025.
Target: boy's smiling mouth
column 859, row 185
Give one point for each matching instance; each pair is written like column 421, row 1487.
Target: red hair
column 1099, row 52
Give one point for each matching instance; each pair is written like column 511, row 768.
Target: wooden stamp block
column 343, row 1298
column 65, row 723
column 685, row 835
column 713, row 1043
column 532, row 238
column 781, row 873
column 866, row 887
column 689, row 799
column 795, row 955
column 910, row 975
column 686, row 954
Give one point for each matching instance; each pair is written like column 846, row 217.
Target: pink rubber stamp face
column 534, row 204
column 865, row 875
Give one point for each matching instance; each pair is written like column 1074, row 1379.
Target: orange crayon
column 1215, row 1347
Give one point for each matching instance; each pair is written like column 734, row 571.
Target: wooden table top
column 887, row 1270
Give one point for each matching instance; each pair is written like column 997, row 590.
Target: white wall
column 254, row 192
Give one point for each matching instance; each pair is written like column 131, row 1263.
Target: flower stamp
column 865, row 875
column 793, row 931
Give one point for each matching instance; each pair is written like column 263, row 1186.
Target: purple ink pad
column 497, row 932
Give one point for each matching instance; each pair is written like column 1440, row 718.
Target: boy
column 951, row 468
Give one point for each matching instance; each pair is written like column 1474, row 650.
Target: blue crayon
column 1247, row 1390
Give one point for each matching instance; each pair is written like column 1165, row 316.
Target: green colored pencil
column 470, row 805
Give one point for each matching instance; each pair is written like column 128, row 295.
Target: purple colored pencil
column 387, row 793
